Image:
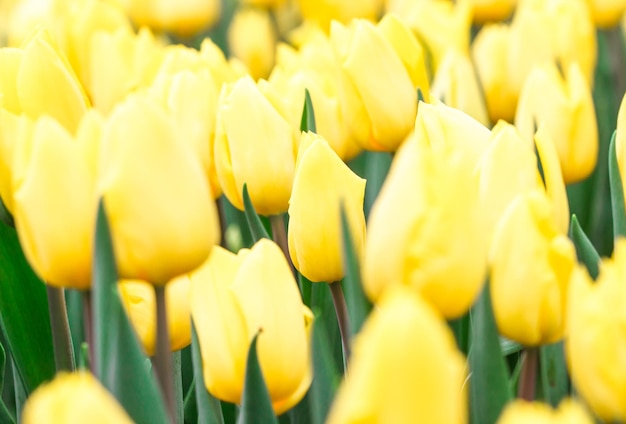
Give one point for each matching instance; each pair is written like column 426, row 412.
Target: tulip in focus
column 322, row 184
column 159, row 205
column 596, row 336
column 184, row 18
column 252, row 39
column 254, row 145
column 531, row 266
column 384, row 85
column 55, row 200
column 425, row 230
column 405, row 368
column 73, row 399
column 233, row 298
column 139, row 303
column 563, row 105
column 523, row 412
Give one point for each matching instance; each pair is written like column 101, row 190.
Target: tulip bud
column 315, row 234
column 139, row 303
column 563, row 105
column 72, row 399
column 425, row 230
column 260, row 153
column 159, row 206
column 531, row 265
column 324, row 11
column 385, row 91
column 234, row 297
column 405, row 368
column 607, row 13
column 520, row 411
column 54, row 182
column 252, row 39
column 184, row 18
column 596, row 336
column 492, row 10
column 456, row 85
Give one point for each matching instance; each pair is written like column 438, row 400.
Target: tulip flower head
column 322, row 184
column 520, row 411
column 596, row 336
column 233, row 297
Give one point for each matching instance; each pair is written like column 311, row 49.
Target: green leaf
column 374, row 167
column 585, row 251
column 83, row 357
column 617, row 193
column 5, row 415
column 322, row 304
column 209, row 409
column 256, row 405
column 509, row 347
column 553, row 371
column 5, row 215
column 119, row 361
column 325, row 376
column 24, row 319
column 461, row 329
column 359, row 306
column 307, row 123
column 254, row 221
column 489, row 382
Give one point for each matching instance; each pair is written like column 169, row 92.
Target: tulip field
column 312, row 211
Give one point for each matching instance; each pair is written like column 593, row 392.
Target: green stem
column 60, row 326
column 162, row 360
column 177, row 378
column 528, row 376
column 279, row 234
column 86, row 300
column 219, row 205
column 341, row 310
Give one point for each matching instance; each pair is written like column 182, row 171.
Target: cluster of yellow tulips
column 251, row 161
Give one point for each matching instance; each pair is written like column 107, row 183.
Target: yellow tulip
column 424, row 229
column 490, row 52
column 139, row 303
column 620, row 141
column 254, row 145
column 54, row 184
column 405, row 368
column 572, row 37
column 73, row 399
column 384, row 86
column 38, row 80
column 252, row 39
column 522, row 412
column 442, row 25
column 607, row 13
column 324, row 11
column 564, row 106
column 233, row 297
column 162, row 217
column 184, row 18
column 12, row 128
column 315, row 235
column 595, row 336
column 531, row 265
column 507, row 168
column 456, row 85
column 492, row 10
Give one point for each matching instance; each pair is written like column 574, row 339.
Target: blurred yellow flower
column 424, row 229
column 315, row 235
column 233, row 297
column 595, row 336
column 54, row 184
column 139, row 303
column 160, row 209
column 607, row 13
column 522, row 412
column 73, row 399
column 386, row 99
column 405, row 368
column 620, row 141
column 254, row 145
column 324, row 11
column 563, row 105
column 252, row 39
column 492, row 10
column 531, row 265
column 184, row 18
